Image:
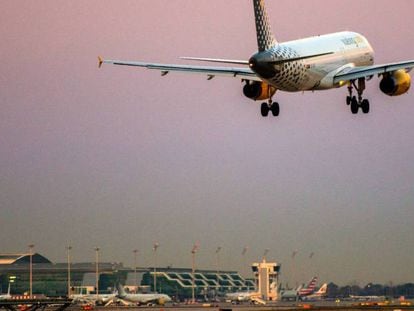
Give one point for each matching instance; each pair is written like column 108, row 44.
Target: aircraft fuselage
column 338, row 51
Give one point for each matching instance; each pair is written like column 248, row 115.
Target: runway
column 320, row 306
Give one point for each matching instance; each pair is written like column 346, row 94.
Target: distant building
column 51, row 278
column 17, row 259
column 177, row 282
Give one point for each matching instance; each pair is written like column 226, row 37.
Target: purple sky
column 120, row 157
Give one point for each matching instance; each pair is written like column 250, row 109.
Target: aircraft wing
column 209, row 71
column 367, row 71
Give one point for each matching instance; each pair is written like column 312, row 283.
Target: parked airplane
column 241, row 296
column 289, row 294
column 309, row 289
column 254, row 297
column 320, row 294
column 366, row 298
column 300, row 292
column 6, row 296
column 315, row 63
column 101, row 299
column 142, row 299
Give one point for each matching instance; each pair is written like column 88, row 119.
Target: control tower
column 266, row 275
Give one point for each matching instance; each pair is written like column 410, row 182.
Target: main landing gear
column 270, row 106
column 359, row 102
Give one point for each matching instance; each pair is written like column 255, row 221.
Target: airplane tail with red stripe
column 310, row 288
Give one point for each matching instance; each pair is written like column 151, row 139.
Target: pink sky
column 120, row 157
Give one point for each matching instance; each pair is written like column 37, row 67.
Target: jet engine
column 395, row 83
column 258, row 90
column 161, row 301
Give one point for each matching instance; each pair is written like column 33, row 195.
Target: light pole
column 135, row 251
column 244, row 251
column 68, row 249
column 294, row 253
column 154, row 248
column 218, row 267
column 193, row 252
column 31, row 246
column 97, row 272
column 310, row 263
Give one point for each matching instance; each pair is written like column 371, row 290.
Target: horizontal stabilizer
column 243, row 62
column 217, row 60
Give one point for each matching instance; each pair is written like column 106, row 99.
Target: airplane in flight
column 142, row 299
column 6, row 296
column 311, row 64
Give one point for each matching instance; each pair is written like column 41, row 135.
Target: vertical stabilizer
column 265, row 38
column 121, row 291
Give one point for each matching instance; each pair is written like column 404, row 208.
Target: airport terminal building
column 51, row 279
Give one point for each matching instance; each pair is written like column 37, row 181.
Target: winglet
column 100, row 61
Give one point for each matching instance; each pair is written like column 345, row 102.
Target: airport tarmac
column 279, row 306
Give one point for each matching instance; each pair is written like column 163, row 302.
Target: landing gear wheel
column 354, row 105
column 365, row 106
column 357, row 102
column 275, row 108
column 264, row 109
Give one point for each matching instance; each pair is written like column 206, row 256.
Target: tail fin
column 265, row 38
column 322, row 290
column 121, row 290
column 312, row 283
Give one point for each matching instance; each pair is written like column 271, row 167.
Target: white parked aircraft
column 242, row 296
column 367, row 298
column 315, row 63
column 101, row 299
column 318, row 295
column 300, row 292
column 252, row 296
column 142, row 299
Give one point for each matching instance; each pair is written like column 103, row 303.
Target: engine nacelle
column 396, row 83
column 258, row 90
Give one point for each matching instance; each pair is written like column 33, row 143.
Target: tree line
column 371, row 289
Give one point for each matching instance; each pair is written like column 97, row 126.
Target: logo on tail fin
column 265, row 38
column 323, row 289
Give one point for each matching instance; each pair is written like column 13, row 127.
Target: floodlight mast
column 154, row 248
column 193, row 253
